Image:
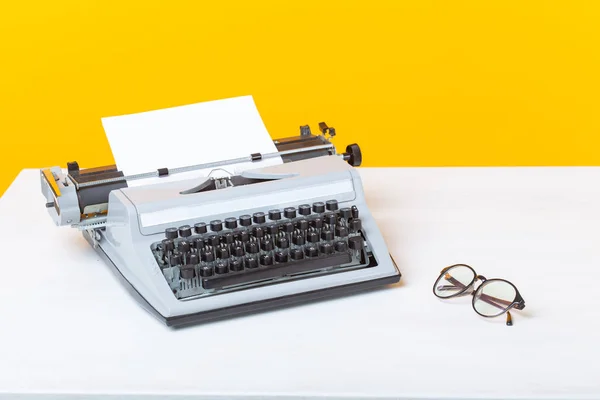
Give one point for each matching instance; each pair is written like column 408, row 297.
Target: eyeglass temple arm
column 484, row 297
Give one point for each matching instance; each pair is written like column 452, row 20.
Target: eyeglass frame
column 518, row 303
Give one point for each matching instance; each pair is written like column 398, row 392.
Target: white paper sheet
column 189, row 135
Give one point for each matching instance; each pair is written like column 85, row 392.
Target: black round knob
column 227, row 238
column 245, row 220
column 221, row 268
column 236, row 265
column 222, row 252
column 355, row 243
column 289, row 212
column 281, row 257
column 302, row 224
column 258, row 232
column 251, row 262
column 212, row 240
column 185, row 231
column 168, row 245
column 200, row 228
column 252, row 247
column 312, row 237
column 316, row 223
column 325, row 248
column 242, row 236
column 341, row 246
column 184, row 246
column 346, row 213
column 175, row 259
column 355, row 225
column 288, row 227
column 231, row 223
column 298, row 240
column 194, row 259
column 207, row 256
column 311, row 251
column 274, row 215
column 206, row 271
column 304, row 209
column 272, row 229
column 327, row 234
column 187, row 271
column 171, row 233
column 354, row 212
column 216, row 225
column 266, row 259
column 330, row 218
column 259, row 218
column 266, row 245
column 282, row 243
column 341, row 231
column 353, row 154
column 318, row 207
column 331, row 205
column 296, row 254
column 238, row 251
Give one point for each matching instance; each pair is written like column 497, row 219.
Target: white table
column 68, row 327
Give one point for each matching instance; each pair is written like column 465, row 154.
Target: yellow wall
column 414, row 82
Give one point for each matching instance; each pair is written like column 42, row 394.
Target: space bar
column 274, row 271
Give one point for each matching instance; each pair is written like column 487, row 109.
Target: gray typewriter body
column 198, row 250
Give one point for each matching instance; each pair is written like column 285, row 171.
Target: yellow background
column 414, row 82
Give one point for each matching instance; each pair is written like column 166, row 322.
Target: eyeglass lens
column 494, row 297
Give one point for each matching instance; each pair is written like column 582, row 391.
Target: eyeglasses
column 492, row 298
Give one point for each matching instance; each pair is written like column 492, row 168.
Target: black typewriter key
column 355, row 225
column 312, row 237
column 236, row 265
column 194, row 259
column 298, row 240
column 281, row 257
column 327, row 234
column 311, row 251
column 296, row 254
column 198, row 243
column 341, row 231
column 251, row 262
column 273, row 229
column 330, row 218
column 212, row 240
column 175, row 259
column 242, row 236
column 216, row 225
column 238, row 251
column 227, row 238
column 245, row 220
column 221, row 268
column 266, row 259
column 252, row 247
column 288, row 227
column 289, row 212
column 345, row 213
column 282, row 243
column 231, row 223
column 187, row 271
column 331, row 205
column 200, row 228
column 185, row 231
column 171, row 233
column 355, row 243
column 302, row 224
column 206, row 271
column 354, row 212
column 259, row 218
column 184, row 246
column 316, row 223
column 208, row 256
column 168, row 245
column 341, row 246
column 266, row 245
column 318, row 207
column 274, row 215
column 325, row 248
column 304, row 209
column 222, row 253
column 258, row 232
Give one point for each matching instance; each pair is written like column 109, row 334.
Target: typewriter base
column 249, row 308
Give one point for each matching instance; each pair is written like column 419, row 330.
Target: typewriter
column 210, row 248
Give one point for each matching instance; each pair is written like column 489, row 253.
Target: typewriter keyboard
column 249, row 250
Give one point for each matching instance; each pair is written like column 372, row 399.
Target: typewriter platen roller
column 203, row 249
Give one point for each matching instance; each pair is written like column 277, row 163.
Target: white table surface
column 68, row 327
